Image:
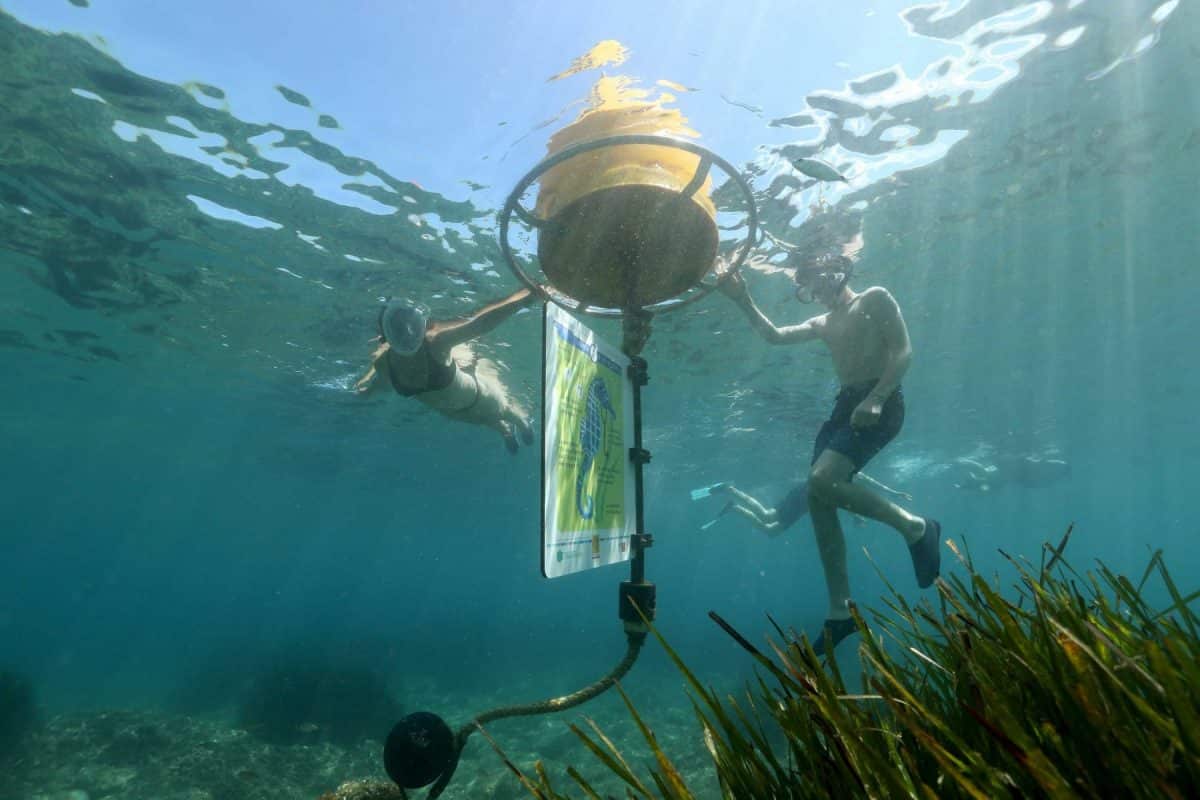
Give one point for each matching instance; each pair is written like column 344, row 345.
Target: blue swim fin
column 705, row 491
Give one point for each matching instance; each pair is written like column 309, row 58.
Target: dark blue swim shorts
column 859, row 444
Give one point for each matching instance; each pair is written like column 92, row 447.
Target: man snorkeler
column 869, row 345
column 433, row 362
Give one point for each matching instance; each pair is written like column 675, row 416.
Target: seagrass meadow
column 1069, row 686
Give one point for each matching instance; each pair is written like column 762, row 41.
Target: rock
column 364, row 790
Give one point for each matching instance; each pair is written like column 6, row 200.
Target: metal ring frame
column 707, row 159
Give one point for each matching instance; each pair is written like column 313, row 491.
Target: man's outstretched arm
column 449, row 334
column 736, row 290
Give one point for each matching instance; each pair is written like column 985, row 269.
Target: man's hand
column 867, row 413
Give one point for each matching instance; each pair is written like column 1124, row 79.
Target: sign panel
column 587, row 425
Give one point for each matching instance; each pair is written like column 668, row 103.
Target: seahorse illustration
column 591, row 437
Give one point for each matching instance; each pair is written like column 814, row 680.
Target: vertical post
column 635, row 329
column 638, row 597
column 640, row 457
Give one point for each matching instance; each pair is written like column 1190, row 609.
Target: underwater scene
column 687, row 399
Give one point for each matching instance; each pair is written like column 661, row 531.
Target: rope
column 563, row 703
column 634, row 642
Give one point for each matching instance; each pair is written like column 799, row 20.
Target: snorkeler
column 434, row 363
column 1026, row 471
column 868, row 341
column 787, row 512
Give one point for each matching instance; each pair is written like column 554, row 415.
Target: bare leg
column 829, row 488
column 495, row 408
column 831, row 543
column 506, row 430
column 751, row 505
column 767, row 525
column 830, row 483
column 883, row 487
column 520, row 422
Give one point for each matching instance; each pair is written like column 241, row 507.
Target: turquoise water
column 188, row 294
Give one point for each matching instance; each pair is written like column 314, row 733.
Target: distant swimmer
column 868, row 341
column 1025, row 471
column 791, row 508
column 433, row 362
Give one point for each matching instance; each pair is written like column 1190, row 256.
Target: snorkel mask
column 824, row 276
column 402, row 324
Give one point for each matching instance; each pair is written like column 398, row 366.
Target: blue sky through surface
column 422, row 88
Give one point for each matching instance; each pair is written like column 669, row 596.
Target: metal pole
column 637, row 567
column 637, row 597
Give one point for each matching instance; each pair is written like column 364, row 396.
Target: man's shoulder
column 878, row 298
column 876, row 293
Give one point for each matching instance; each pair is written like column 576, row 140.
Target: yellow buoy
column 618, row 232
